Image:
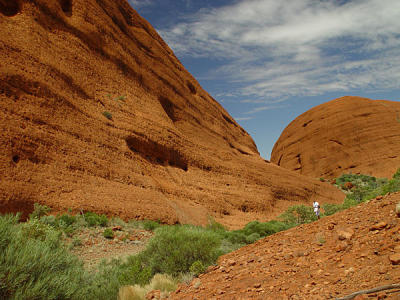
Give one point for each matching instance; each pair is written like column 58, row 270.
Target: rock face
column 349, row 134
column 310, row 261
column 97, row 113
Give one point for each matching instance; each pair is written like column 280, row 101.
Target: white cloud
column 279, row 49
column 244, row 118
column 140, row 3
column 263, row 108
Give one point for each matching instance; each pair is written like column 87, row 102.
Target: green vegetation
column 362, row 188
column 36, row 264
column 93, row 219
column 107, row 114
column 150, row 225
column 108, row 233
column 120, row 98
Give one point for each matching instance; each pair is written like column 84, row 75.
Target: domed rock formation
column 97, row 113
column 346, row 135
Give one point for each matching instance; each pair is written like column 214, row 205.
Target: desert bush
column 76, row 242
column 197, row 268
column 150, row 225
column 298, row 214
column 107, row 114
column 39, row 211
column 264, row 229
column 108, row 233
column 66, row 220
column 330, row 209
column 92, row 219
column 396, row 175
column 175, row 248
column 235, row 237
column 252, row 238
column 215, row 226
column 115, row 221
column 366, row 188
column 131, row 271
column 49, row 220
column 35, row 265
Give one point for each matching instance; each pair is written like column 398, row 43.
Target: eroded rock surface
column 346, row 135
column 97, row 113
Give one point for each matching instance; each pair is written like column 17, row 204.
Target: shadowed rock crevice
column 9, row 8
column 21, row 200
column 298, row 168
column 66, row 6
column 280, row 159
column 157, row 153
column 337, row 142
column 191, row 87
column 170, row 108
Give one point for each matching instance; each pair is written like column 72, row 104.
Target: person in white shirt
column 316, row 208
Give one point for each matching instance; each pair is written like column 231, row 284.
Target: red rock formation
column 346, row 135
column 97, row 113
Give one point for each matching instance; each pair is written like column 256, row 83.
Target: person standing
column 316, row 208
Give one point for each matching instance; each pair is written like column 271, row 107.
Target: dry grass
column 161, row 282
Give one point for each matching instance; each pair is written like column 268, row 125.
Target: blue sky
column 268, row 61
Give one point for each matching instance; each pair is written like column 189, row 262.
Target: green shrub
column 35, row 265
column 174, row 249
column 108, row 233
column 252, row 238
column 133, row 271
column 397, row 174
column 107, row 114
column 66, row 220
column 150, row 225
column 39, row 211
column 76, row 242
column 36, row 229
column 330, row 209
column 298, row 214
column 236, row 237
column 197, row 268
column 215, row 226
column 49, row 220
column 92, row 219
column 366, row 188
column 120, row 98
column 264, row 229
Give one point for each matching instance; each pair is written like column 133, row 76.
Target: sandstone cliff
column 97, row 113
column 346, row 135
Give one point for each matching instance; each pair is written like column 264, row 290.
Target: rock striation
column 346, row 135
column 97, row 113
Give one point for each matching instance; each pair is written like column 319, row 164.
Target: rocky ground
column 92, row 247
column 353, row 250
